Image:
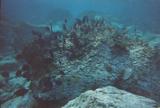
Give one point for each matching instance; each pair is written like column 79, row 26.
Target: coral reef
column 56, row 64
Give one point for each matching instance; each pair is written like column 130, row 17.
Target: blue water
column 143, row 14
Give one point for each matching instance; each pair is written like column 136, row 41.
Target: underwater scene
column 79, row 53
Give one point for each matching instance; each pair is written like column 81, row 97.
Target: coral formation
column 58, row 63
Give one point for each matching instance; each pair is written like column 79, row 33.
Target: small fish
column 18, row 73
column 26, row 67
column 21, row 92
column 5, row 73
column 27, row 75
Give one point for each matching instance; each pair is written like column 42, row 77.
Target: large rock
column 110, row 97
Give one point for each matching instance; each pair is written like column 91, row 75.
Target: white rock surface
column 110, row 97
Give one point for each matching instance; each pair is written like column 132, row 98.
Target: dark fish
column 5, row 73
column 46, row 84
column 26, row 67
column 21, row 92
column 19, row 56
column 18, row 73
column 27, row 75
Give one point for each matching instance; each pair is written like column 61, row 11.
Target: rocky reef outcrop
column 110, row 97
column 56, row 66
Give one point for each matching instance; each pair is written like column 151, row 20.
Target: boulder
column 110, row 97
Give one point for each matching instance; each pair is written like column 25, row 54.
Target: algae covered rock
column 110, row 97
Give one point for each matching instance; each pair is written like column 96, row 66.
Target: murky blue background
column 144, row 14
